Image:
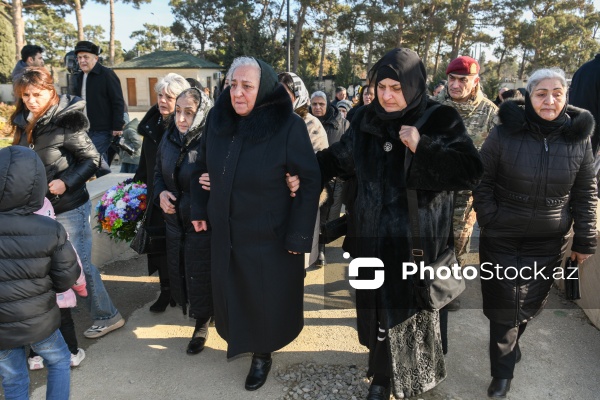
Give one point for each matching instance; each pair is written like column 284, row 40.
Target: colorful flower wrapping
column 120, row 209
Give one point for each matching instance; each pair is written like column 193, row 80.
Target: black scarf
column 268, row 82
column 405, row 66
column 541, row 125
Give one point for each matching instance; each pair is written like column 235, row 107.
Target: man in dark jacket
column 335, row 125
column 31, row 56
column 101, row 89
column 36, row 262
column 583, row 93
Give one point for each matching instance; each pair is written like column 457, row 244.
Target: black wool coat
column 188, row 251
column 257, row 284
column 60, row 139
column 152, row 128
column 104, row 98
column 36, row 259
column 534, row 189
column 445, row 160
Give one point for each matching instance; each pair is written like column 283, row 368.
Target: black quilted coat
column 36, row 259
column 534, row 189
column 60, row 139
column 188, row 251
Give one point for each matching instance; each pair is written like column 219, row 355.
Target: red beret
column 463, row 65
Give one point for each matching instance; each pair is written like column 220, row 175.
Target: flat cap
column 463, row 65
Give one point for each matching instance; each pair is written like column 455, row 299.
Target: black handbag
column 431, row 294
column 572, row 291
column 333, row 230
column 149, row 240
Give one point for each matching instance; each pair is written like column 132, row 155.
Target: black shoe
column 498, row 388
column 196, row 345
column 259, row 370
column 164, row 299
column 377, row 392
column 454, row 305
column 320, row 263
column 518, row 351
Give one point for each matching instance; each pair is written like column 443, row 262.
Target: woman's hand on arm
column 409, row 135
column 57, row 187
column 166, row 199
column 293, row 183
column 200, row 226
column 580, row 257
column 205, row 181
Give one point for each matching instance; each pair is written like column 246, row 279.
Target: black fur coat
column 445, row 160
column 535, row 187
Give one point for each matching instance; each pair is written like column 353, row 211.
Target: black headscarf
column 268, row 82
column 545, row 127
column 404, row 66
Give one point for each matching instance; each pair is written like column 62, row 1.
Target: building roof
column 167, row 59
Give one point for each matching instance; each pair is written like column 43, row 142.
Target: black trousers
column 67, row 330
column 503, row 344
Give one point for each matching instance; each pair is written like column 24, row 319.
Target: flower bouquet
column 120, row 209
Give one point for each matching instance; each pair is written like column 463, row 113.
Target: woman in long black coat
column 152, row 127
column 405, row 349
column 252, row 139
column 538, row 182
column 188, row 251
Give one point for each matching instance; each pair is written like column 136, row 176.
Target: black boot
column 518, row 351
column 199, row 337
column 498, row 388
column 259, row 370
column 164, row 299
column 321, row 257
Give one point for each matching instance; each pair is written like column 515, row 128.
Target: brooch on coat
column 387, row 146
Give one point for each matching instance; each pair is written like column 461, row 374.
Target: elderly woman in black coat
column 152, row 127
column 382, row 135
column 252, row 139
column 188, row 251
column 538, row 182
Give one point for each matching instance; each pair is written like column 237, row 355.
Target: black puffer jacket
column 188, row 251
column 60, row 139
column 334, row 123
column 533, row 190
column 36, row 259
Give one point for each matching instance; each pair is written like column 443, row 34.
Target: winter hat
column 87, row 47
column 345, row 104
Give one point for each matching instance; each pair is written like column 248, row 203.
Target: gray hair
column 545, row 73
column 318, row 93
column 243, row 62
column 172, row 84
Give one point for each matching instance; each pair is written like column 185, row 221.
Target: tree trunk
column 400, row 24
column 298, row 35
column 323, row 50
column 18, row 26
column 369, row 58
column 429, row 32
column 437, row 56
column 276, row 25
column 461, row 27
column 111, row 43
column 500, row 62
column 522, row 68
column 79, row 18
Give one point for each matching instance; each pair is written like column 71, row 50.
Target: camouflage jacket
column 478, row 114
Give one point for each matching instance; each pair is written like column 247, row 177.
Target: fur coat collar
column 264, row 121
column 580, row 123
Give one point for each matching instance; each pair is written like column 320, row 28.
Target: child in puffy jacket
column 66, row 301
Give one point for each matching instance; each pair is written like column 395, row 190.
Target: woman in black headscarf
column 259, row 232
column 539, row 181
column 398, row 334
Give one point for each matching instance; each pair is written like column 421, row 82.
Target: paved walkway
column 146, row 358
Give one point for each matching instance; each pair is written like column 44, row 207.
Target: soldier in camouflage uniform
column 463, row 92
